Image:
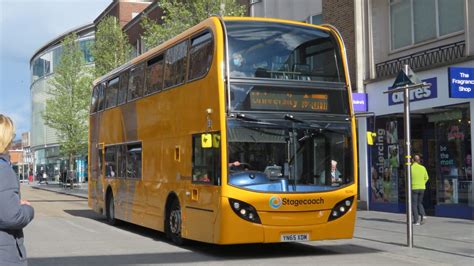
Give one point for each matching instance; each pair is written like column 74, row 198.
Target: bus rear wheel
column 110, row 210
column 174, row 222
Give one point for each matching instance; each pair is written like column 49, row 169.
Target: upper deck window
column 95, row 99
column 200, row 55
column 111, row 93
column 283, row 51
column 136, row 80
column 175, row 64
column 154, row 74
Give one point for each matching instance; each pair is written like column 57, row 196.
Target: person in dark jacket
column 15, row 213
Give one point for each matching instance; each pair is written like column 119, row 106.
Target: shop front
column 440, row 134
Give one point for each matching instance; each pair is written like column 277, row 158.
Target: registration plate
column 294, row 237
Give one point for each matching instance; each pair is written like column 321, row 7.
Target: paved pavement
column 79, row 190
column 445, row 241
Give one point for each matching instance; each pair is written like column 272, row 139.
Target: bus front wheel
column 173, row 223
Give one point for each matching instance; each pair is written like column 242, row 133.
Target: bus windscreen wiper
column 313, row 125
column 251, row 119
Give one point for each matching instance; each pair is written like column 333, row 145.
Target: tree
column 111, row 48
column 67, row 109
column 180, row 15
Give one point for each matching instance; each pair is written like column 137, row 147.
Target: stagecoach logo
column 275, row 202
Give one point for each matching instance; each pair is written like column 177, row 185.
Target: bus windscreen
column 282, row 51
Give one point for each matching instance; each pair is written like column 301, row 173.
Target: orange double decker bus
column 238, row 130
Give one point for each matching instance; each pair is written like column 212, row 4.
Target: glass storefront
column 453, row 160
column 52, row 163
column 45, row 63
column 443, row 139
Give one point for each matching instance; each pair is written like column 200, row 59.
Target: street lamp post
column 406, row 81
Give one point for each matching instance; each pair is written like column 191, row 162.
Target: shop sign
column 461, row 82
column 416, row 94
column 359, row 102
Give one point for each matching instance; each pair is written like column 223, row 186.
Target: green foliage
column 67, row 109
column 111, row 48
column 180, row 15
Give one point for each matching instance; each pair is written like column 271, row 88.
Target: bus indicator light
column 245, row 211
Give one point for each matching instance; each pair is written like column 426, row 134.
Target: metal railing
column 434, row 56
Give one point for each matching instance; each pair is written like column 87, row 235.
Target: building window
column 316, row 19
column 85, row 46
column 417, row 21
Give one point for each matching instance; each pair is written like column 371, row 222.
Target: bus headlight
column 245, row 211
column 341, row 208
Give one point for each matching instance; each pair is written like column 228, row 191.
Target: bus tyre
column 110, row 210
column 173, row 223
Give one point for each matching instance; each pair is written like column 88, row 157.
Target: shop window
column 200, row 55
column 454, row 181
column 386, row 167
column 111, row 93
column 175, row 64
column 206, row 161
column 134, row 160
column 136, row 83
column 111, row 162
column 154, row 74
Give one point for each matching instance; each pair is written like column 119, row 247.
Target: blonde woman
column 15, row 213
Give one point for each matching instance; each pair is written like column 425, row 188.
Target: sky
column 25, row 27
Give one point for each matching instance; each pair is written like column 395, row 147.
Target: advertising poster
column 385, row 163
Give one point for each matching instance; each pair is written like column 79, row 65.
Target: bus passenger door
column 203, row 196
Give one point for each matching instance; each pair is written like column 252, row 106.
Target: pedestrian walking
column 419, row 177
column 15, row 213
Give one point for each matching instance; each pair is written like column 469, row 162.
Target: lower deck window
column 123, row 161
column 206, row 161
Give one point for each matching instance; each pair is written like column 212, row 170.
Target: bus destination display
column 288, row 100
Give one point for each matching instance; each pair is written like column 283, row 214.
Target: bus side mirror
column 370, row 137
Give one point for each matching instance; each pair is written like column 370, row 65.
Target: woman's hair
column 7, row 130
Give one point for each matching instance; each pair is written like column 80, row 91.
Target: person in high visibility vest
column 419, row 177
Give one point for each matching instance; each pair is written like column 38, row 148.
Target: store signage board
column 359, row 102
column 461, row 82
column 418, row 94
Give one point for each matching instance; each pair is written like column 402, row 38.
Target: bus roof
column 190, row 31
